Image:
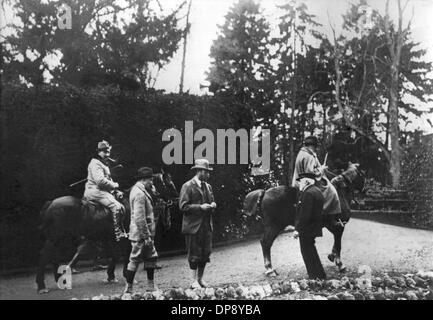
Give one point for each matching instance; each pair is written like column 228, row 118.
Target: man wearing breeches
column 196, row 201
column 100, row 186
column 142, row 230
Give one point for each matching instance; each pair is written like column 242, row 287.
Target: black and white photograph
column 218, row 155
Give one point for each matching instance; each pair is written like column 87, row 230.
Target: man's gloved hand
column 118, row 194
column 116, row 185
column 206, row 207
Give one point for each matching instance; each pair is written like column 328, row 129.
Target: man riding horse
column 308, row 163
column 100, row 186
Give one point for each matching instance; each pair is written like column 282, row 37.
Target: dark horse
column 67, row 220
column 278, row 209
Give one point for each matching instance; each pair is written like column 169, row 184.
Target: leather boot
column 129, row 276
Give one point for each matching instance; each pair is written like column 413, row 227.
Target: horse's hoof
column 331, row 257
column 43, row 291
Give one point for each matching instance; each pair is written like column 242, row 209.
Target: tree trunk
column 185, row 37
column 394, row 128
column 395, row 43
column 292, row 115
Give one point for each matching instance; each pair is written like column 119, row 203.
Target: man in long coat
column 142, row 229
column 307, row 162
column 308, row 224
column 100, row 186
column 197, row 204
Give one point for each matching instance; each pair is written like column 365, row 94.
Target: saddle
column 97, row 210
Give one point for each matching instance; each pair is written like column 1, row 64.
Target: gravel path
column 381, row 246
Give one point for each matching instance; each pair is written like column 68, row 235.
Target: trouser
column 140, row 252
column 311, row 258
column 107, row 200
column 199, row 246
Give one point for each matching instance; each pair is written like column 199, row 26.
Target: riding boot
column 150, row 280
column 118, row 232
column 129, row 276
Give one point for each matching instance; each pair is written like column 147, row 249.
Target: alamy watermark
column 224, row 149
column 64, row 17
column 65, row 279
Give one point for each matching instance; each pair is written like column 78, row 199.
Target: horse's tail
column 43, row 217
column 253, row 203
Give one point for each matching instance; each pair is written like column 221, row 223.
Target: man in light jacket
column 142, row 230
column 308, row 163
column 100, row 186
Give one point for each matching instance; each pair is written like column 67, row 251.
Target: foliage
column 417, row 179
column 101, row 48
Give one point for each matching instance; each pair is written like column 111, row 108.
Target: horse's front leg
column 46, row 256
column 335, row 256
column 337, row 248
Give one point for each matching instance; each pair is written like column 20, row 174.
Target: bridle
column 171, row 201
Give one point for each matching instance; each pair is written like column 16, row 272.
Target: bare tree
column 395, row 40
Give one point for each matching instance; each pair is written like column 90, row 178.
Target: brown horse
column 68, row 220
column 277, row 207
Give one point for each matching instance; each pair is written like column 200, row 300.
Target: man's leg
column 107, row 200
column 206, row 243
column 150, row 257
column 193, row 258
column 134, row 261
column 311, row 258
column 115, row 208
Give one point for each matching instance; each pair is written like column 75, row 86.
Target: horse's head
column 164, row 186
column 354, row 177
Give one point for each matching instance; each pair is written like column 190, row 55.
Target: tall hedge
column 417, row 179
column 49, row 135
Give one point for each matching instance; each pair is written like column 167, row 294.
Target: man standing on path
column 197, row 204
column 142, row 230
column 308, row 224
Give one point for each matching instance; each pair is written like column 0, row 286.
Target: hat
column 311, row 141
column 144, row 173
column 103, row 145
column 201, row 164
column 306, row 175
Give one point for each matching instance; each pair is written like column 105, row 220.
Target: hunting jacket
column 99, row 177
column 142, row 218
column 306, row 162
column 190, row 199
